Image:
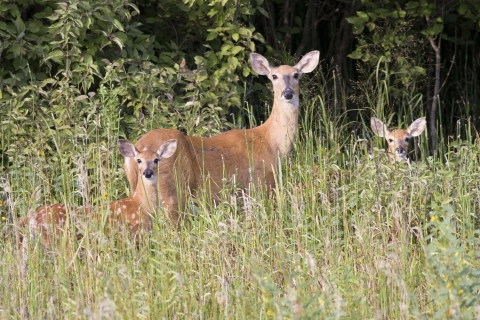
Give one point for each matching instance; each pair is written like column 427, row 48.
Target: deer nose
column 288, row 93
column 148, row 173
column 400, row 149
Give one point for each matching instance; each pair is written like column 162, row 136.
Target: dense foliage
column 185, row 63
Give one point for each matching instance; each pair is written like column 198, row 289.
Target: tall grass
column 344, row 234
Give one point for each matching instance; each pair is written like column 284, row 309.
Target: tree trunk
column 344, row 38
column 308, row 27
column 432, row 110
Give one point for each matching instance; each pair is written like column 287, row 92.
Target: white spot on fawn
column 133, row 215
column 33, row 223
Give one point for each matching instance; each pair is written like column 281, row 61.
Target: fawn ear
column 260, row 64
column 167, row 149
column 417, row 127
column 127, row 148
column 309, row 62
column 378, row 127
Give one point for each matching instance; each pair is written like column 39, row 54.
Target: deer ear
column 417, row 127
column 378, row 127
column 309, row 62
column 260, row 64
column 167, row 149
column 127, row 148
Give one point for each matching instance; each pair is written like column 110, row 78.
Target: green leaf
column 411, row 5
column 80, row 98
column 122, row 36
column 355, row 55
column 119, row 42
column 225, row 49
column 213, row 12
column 236, row 50
column 363, row 16
column 211, row 36
column 246, row 71
column 54, row 54
column 358, row 28
column 118, row 25
column 354, row 20
column 437, row 28
column 201, row 76
column 235, row 36
column 263, row 11
column 19, row 25
column 133, row 6
column 419, row 70
column 34, row 26
column 462, row 8
column 47, row 81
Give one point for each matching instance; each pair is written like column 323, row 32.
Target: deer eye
column 407, row 139
column 274, row 77
column 390, row 140
column 155, row 161
column 139, row 161
column 296, row 75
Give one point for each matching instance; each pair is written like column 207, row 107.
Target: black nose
column 400, row 150
column 148, row 173
column 288, row 93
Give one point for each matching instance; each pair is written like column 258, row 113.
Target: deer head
column 398, row 139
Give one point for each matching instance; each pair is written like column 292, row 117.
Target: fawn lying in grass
column 132, row 213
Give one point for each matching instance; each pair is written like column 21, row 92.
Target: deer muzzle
column 148, row 173
column 288, row 93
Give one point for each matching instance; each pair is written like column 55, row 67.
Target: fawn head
column 147, row 161
column 285, row 78
column 398, row 139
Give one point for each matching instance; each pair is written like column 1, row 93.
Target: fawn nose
column 400, row 149
column 148, row 173
column 288, row 93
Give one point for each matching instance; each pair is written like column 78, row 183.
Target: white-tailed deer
column 251, row 155
column 132, row 213
column 398, row 139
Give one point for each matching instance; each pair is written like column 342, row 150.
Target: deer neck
column 282, row 125
column 146, row 195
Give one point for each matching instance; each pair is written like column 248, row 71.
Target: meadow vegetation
column 344, row 235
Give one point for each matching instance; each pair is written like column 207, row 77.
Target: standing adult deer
column 132, row 213
column 251, row 155
column 397, row 139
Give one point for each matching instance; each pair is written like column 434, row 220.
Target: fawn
column 131, row 213
column 398, row 139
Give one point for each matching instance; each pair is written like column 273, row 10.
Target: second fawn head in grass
column 398, row 139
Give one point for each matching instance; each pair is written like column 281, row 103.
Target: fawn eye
column 296, row 75
column 139, row 161
column 407, row 139
column 155, row 161
column 390, row 140
column 274, row 77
